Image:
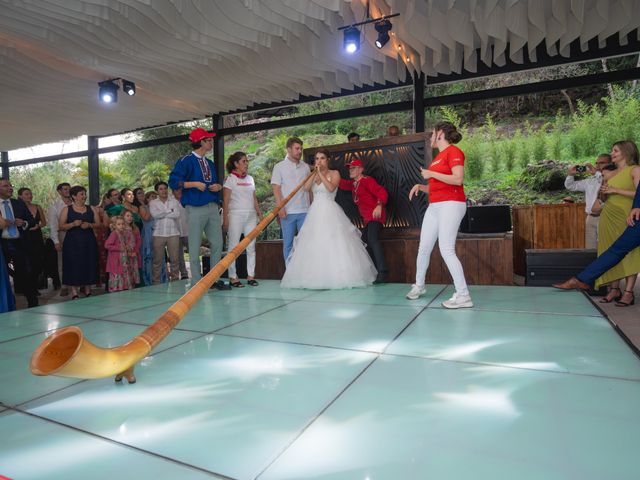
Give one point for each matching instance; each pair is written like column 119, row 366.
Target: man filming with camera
column 591, row 187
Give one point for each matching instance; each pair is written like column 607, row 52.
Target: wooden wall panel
column 486, row 260
column 545, row 227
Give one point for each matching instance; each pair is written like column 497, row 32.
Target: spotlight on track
column 351, row 40
column 383, row 27
column 108, row 91
column 128, row 87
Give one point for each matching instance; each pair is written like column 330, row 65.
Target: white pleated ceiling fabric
column 193, row 58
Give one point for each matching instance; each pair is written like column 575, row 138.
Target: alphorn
column 66, row 353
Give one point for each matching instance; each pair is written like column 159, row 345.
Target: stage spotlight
column 129, row 87
column 383, row 27
column 108, row 91
column 351, row 40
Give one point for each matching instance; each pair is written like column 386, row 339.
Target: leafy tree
column 154, row 172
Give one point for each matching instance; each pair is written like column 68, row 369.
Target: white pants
column 242, row 223
column 591, row 232
column 441, row 222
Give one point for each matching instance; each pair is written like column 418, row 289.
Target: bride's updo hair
column 324, row 152
column 451, row 133
column 232, row 160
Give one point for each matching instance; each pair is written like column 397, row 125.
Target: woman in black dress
column 79, row 249
column 35, row 240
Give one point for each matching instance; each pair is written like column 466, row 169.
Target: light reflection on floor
column 275, row 384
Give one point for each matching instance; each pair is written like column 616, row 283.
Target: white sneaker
column 416, row 292
column 458, row 301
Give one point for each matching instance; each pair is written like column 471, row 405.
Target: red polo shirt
column 367, row 195
column 440, row 191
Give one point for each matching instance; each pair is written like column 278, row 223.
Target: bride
column 328, row 252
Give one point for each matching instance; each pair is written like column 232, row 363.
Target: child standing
column 121, row 266
column 132, row 228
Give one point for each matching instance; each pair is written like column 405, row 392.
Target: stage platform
column 266, row 383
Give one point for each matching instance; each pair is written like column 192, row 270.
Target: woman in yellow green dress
column 620, row 190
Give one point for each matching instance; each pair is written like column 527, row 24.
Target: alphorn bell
column 66, row 353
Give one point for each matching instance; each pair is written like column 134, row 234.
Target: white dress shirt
column 166, row 216
column 53, row 216
column 288, row 175
column 590, row 186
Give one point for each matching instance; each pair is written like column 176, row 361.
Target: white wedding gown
column 328, row 252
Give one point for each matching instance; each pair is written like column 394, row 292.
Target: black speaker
column 487, row 219
column 545, row 267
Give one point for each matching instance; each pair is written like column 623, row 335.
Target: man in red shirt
column 370, row 197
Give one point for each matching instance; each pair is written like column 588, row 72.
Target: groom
column 286, row 175
column 370, row 197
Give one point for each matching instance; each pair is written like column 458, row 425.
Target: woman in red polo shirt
column 447, row 206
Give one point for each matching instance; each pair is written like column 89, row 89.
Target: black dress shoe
column 220, row 285
column 380, row 279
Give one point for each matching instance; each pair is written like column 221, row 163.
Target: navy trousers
column 629, row 240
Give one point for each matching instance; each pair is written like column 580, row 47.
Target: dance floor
column 354, row 384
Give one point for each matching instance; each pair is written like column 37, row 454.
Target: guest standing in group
column 447, row 206
column 113, row 206
column 166, row 233
column 286, row 176
column 146, row 251
column 131, row 226
column 56, row 235
column 7, row 300
column 197, row 176
column 102, row 231
column 184, row 230
column 241, row 212
column 591, row 187
column 79, row 249
column 121, row 264
column 128, row 199
column 619, row 189
column 17, row 220
column 35, row 241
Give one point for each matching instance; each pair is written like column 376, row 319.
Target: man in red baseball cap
column 197, row 176
column 370, row 197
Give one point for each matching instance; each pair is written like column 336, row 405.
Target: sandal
column 236, row 284
column 253, row 283
column 614, row 299
column 620, row 303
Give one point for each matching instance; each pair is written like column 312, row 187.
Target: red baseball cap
column 200, row 133
column 355, row 163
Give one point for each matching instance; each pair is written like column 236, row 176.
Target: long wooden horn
column 67, row 353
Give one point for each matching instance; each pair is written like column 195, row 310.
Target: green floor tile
column 36, row 449
column 341, row 325
column 532, row 383
column 420, row 419
column 525, row 340
column 525, row 299
column 25, row 322
column 209, row 314
column 219, row 403
column 385, row 294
